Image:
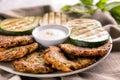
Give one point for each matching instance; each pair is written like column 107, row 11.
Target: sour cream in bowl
column 50, row 35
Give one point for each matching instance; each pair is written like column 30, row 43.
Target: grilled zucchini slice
column 77, row 22
column 54, row 18
column 18, row 26
column 88, row 34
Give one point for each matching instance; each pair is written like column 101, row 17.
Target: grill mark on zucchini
column 66, row 19
column 91, row 32
column 20, row 28
column 53, row 18
column 22, row 25
column 82, row 22
column 9, row 22
column 58, row 18
column 25, row 24
column 16, row 26
column 98, row 35
column 88, row 33
column 45, row 19
column 48, row 18
column 85, row 30
column 20, row 22
column 61, row 18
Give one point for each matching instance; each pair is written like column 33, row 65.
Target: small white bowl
column 48, row 42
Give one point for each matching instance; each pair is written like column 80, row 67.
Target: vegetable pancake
column 17, row 52
column 33, row 63
column 83, row 51
column 11, row 41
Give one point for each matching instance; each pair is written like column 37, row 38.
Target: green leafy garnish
column 87, row 2
column 102, row 5
column 66, row 8
column 115, row 12
column 87, row 7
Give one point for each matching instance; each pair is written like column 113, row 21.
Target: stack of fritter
column 54, row 58
column 27, row 57
column 13, row 47
column 22, row 51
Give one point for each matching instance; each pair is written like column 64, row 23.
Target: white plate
column 7, row 66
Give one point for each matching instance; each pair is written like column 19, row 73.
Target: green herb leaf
column 66, row 8
column 87, row 2
column 115, row 12
column 102, row 5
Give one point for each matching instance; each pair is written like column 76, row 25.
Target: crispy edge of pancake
column 17, row 52
column 33, row 63
column 71, row 49
column 83, row 62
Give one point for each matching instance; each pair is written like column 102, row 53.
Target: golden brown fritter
column 11, row 41
column 87, row 52
column 17, row 52
column 33, row 63
column 58, row 61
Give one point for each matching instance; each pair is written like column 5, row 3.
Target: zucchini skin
column 87, row 44
column 22, row 32
column 15, row 33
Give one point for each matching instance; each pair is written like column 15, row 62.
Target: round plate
column 7, row 66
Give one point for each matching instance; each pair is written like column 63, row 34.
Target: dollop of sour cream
column 51, row 34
